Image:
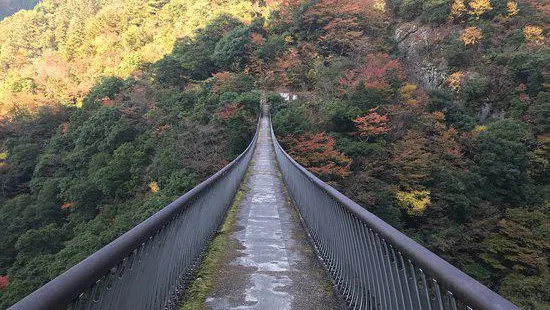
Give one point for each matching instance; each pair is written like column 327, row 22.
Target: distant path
column 269, row 263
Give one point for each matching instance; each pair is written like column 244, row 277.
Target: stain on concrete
column 269, row 264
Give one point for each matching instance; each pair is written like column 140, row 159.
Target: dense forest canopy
column 57, row 51
column 79, row 168
column 433, row 114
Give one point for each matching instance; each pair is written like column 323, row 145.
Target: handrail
column 373, row 264
column 122, row 265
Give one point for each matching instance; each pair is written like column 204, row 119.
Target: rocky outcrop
column 421, row 49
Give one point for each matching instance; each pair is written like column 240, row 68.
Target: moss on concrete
column 202, row 285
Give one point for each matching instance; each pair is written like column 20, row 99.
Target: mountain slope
column 432, row 114
column 56, row 52
column 74, row 178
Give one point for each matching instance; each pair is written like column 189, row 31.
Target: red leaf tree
column 229, row 111
column 4, row 282
column 222, row 81
column 316, row 152
column 376, row 73
column 371, row 125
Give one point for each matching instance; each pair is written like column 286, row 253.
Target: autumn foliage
column 337, row 25
column 292, row 66
column 376, row 72
column 512, row 8
column 317, row 153
column 284, row 8
column 287, row 66
column 222, row 81
column 471, row 35
column 229, row 111
column 533, row 34
column 67, row 205
column 371, row 125
column 475, row 8
column 454, row 152
column 4, row 282
column 480, row 7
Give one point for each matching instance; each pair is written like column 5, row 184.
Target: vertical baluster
column 426, row 289
column 354, row 258
column 79, row 302
column 406, row 280
column 143, row 296
column 399, row 285
column 326, row 235
column 391, row 277
column 368, row 277
column 415, row 285
column 98, row 292
column 438, row 298
column 360, row 263
column 170, row 252
column 109, row 284
column 348, row 266
column 340, row 248
column 374, row 270
column 384, row 270
column 335, row 246
column 136, row 271
column 376, row 255
column 88, row 303
column 452, row 301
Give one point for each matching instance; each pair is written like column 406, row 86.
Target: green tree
column 168, row 72
column 517, row 250
column 436, row 11
column 45, row 240
column 290, row 119
column 230, row 51
column 541, row 113
column 502, row 161
column 107, row 88
column 195, row 55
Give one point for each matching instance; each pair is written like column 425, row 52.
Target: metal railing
column 150, row 266
column 371, row 263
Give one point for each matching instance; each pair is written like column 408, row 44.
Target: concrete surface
column 269, row 263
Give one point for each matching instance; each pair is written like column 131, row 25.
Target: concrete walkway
column 269, row 263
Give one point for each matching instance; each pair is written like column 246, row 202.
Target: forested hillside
column 434, row 115
column 8, row 7
column 56, row 52
column 77, row 173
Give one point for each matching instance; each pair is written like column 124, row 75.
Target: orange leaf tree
column 316, row 152
column 371, row 124
column 293, row 65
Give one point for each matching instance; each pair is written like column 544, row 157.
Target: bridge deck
column 269, row 263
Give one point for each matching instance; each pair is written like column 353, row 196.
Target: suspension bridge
column 293, row 234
